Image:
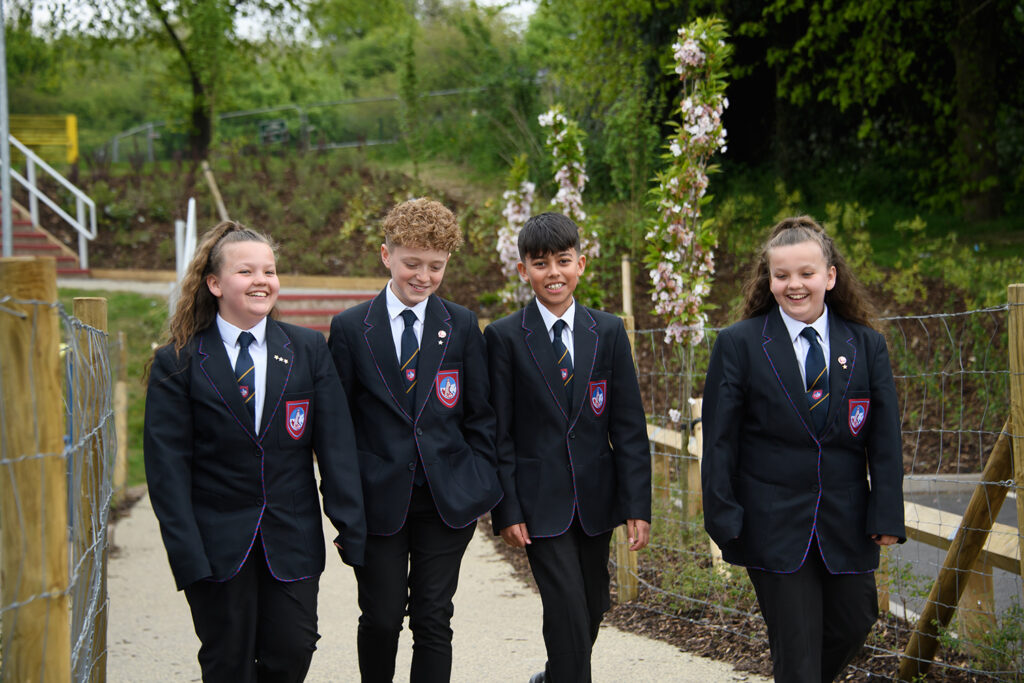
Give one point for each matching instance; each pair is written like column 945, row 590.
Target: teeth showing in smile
column 258, row 294
column 555, row 286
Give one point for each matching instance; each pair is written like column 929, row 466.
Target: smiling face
column 799, row 277
column 416, row 273
column 246, row 284
column 554, row 277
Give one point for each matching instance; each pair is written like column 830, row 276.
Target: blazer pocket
column 295, row 417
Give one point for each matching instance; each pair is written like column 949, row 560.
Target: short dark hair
column 548, row 233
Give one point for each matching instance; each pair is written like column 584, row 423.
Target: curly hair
column 848, row 298
column 197, row 306
column 422, row 224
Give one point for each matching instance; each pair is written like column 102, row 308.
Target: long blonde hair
column 848, row 299
column 197, row 306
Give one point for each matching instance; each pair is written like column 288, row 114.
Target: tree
column 203, row 33
column 928, row 79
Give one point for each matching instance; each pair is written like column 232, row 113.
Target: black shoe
column 538, row 677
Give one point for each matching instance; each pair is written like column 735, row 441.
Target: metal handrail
column 86, row 229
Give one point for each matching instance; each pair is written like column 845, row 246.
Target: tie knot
column 809, row 334
column 558, row 327
column 409, row 317
column 245, row 339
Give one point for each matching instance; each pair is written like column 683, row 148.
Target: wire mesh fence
column 57, row 455
column 954, row 382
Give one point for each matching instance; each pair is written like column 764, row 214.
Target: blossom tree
column 565, row 143
column 681, row 245
column 518, row 205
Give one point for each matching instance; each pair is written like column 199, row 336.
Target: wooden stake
column 1015, row 297
column 627, row 565
column 92, row 311
column 33, row 481
column 960, row 558
column 121, row 417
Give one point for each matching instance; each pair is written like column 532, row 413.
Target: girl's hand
column 884, row 539
column 516, row 535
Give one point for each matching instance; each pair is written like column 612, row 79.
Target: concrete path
column 497, row 624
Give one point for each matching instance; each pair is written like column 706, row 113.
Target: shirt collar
column 549, row 318
column 229, row 333
column 794, row 326
column 395, row 305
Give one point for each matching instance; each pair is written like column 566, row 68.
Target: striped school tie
column 245, row 373
column 817, row 379
column 410, row 352
column 564, row 359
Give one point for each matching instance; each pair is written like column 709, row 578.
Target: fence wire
column 87, row 460
column 952, row 376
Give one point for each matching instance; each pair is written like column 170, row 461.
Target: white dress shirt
column 567, row 334
column 395, row 308
column 257, row 350
column 800, row 345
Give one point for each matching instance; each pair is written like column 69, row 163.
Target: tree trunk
column 200, row 133
column 975, row 53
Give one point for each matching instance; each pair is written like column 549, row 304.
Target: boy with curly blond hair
column 414, row 368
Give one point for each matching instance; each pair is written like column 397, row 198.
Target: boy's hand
column 884, row 539
column 639, row 533
column 516, row 535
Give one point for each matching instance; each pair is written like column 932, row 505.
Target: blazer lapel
column 535, row 335
column 381, row 344
column 280, row 360
column 437, row 332
column 842, row 357
column 214, row 361
column 778, row 348
column 584, row 343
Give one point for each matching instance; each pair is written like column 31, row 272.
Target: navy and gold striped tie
column 410, row 351
column 564, row 359
column 817, row 379
column 245, row 373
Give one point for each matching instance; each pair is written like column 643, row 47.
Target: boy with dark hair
column 413, row 366
column 573, row 455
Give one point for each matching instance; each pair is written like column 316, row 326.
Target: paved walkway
column 497, row 624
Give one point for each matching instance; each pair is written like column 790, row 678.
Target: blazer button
column 412, row 467
column 568, row 468
column 419, row 431
column 259, row 501
column 814, row 488
column 572, row 435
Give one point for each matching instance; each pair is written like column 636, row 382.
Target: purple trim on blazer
column 765, row 339
column 259, row 444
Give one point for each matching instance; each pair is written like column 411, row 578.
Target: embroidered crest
column 448, row 387
column 410, row 375
column 858, row 414
column 295, row 413
column 565, row 373
column 244, row 390
column 817, row 394
column 598, row 396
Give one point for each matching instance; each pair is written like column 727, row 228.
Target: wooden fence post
column 963, row 551
column 33, row 485
column 693, row 500
column 1015, row 297
column 121, row 417
column 92, row 311
column 626, row 562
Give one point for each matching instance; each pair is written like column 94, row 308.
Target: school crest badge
column 448, row 387
column 295, row 414
column 598, row 392
column 858, row 414
column 243, row 389
column 565, row 373
column 817, row 394
column 410, row 375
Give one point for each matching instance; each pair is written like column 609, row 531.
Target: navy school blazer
column 590, row 456
column 769, row 481
column 216, row 485
column 451, row 428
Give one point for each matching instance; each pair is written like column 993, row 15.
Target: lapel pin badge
column 442, row 334
column 842, row 361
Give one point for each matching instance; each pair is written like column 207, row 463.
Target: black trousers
column 254, row 628
column 572, row 574
column 817, row 621
column 415, row 569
